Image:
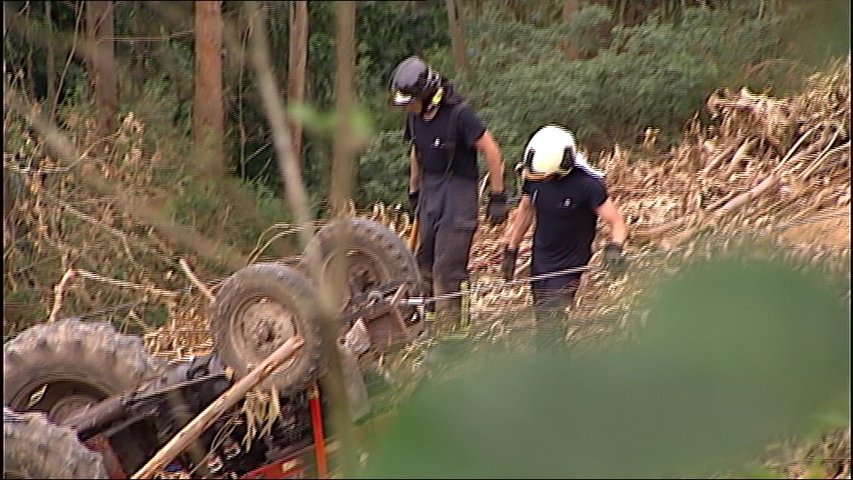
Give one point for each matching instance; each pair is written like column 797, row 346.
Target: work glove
column 613, row 258
column 413, row 203
column 508, row 263
column 497, row 208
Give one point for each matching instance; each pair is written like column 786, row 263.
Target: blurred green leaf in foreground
column 736, row 354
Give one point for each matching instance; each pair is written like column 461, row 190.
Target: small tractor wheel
column 374, row 256
column 36, row 448
column 59, row 367
column 256, row 310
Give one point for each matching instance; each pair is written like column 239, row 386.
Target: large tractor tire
column 256, row 310
column 59, row 367
column 36, row 448
column 375, row 256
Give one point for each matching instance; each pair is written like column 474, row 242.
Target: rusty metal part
column 386, row 326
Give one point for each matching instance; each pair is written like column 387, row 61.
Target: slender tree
column 50, row 70
column 341, row 181
column 457, row 37
column 570, row 8
column 208, row 102
column 102, row 63
column 298, row 57
column 341, row 188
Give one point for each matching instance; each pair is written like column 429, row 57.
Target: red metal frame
column 282, row 469
column 294, row 466
column 111, row 462
column 317, row 427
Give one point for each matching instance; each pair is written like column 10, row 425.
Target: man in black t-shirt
column 566, row 197
column 445, row 136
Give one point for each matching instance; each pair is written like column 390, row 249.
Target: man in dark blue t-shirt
column 445, row 136
column 566, row 197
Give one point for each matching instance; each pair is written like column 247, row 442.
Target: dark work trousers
column 551, row 298
column 447, row 211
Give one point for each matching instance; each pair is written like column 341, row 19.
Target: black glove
column 413, row 203
column 613, row 258
column 508, row 264
column 497, row 208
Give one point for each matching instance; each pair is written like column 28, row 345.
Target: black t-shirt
column 430, row 137
column 565, row 220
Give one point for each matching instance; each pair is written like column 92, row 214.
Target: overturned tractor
column 82, row 400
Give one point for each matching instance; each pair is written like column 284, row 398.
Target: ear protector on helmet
column 434, row 101
column 550, row 150
column 566, row 164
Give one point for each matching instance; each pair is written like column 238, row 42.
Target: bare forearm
column 496, row 170
column 490, row 149
column 618, row 231
column 414, row 172
column 520, row 225
column 611, row 214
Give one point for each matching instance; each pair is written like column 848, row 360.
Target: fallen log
column 205, row 419
column 745, row 197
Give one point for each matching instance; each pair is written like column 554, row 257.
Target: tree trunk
column 102, row 64
column 457, row 38
column 51, row 62
column 570, row 8
column 298, row 57
column 341, row 181
column 340, row 190
column 208, row 104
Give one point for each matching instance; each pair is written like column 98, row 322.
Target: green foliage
column 582, row 30
column 386, row 33
column 388, row 154
column 656, row 74
column 204, row 206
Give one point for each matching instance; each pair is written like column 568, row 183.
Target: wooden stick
column 205, row 419
column 712, row 164
column 739, row 154
column 126, row 284
column 202, row 287
column 413, row 236
column 748, row 196
column 59, row 292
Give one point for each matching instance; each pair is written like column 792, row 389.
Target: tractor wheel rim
column 260, row 326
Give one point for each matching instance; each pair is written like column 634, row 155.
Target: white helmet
column 551, row 150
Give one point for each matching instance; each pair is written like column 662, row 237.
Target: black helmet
column 414, row 80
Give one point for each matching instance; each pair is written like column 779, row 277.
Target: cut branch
column 59, row 293
column 202, row 287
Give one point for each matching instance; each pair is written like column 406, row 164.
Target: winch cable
column 488, row 286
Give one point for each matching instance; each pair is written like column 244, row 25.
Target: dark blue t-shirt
column 430, row 137
column 565, row 210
